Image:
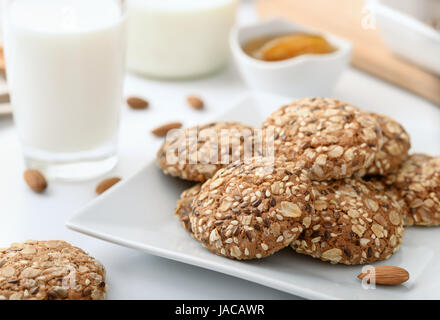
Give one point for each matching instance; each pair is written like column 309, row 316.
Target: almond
column 106, row 184
column 137, row 103
column 35, row 180
column 164, row 129
column 387, row 275
column 195, row 102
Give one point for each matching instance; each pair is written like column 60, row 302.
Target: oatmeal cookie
column 381, row 183
column 328, row 137
column 50, row 270
column 418, row 183
column 184, row 206
column 196, row 154
column 396, row 144
column 352, row 223
column 252, row 210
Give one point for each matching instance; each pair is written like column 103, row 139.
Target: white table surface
column 131, row 274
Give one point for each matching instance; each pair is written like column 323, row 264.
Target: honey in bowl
column 287, row 46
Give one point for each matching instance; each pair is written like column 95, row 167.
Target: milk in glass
column 65, row 67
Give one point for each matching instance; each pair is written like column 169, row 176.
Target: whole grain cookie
column 251, row 210
column 382, row 184
column 50, row 270
column 184, row 206
column 330, row 138
column 396, row 144
column 352, row 223
column 418, row 184
column 196, row 153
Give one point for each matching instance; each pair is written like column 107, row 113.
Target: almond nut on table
column 164, row 129
column 106, row 184
column 386, row 275
column 195, row 102
column 137, row 103
column 35, row 180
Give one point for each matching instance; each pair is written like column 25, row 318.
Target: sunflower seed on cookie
column 197, row 153
column 328, row 137
column 251, row 210
column 50, row 270
column 352, row 222
column 417, row 182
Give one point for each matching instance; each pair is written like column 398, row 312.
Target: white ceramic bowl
column 401, row 24
column 305, row 75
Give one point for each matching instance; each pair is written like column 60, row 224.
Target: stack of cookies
column 339, row 188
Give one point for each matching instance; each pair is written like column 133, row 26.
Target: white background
column 135, row 275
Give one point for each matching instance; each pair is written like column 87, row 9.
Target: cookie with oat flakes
column 418, row 184
column 184, row 206
column 352, row 222
column 380, row 184
column 251, row 210
column 328, row 137
column 50, row 270
column 197, row 153
column 396, row 144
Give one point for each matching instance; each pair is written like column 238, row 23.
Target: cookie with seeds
column 352, row 222
column 328, row 137
column 396, row 144
column 197, row 153
column 251, row 210
column 381, row 183
column 50, row 270
column 418, row 183
column 184, row 206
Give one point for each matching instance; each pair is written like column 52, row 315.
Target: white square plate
column 138, row 213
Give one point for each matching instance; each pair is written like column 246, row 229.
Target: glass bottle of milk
column 65, row 67
column 178, row 39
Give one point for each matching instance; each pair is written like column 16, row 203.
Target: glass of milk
column 65, row 62
column 175, row 39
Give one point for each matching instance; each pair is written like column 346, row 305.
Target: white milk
column 179, row 38
column 65, row 64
